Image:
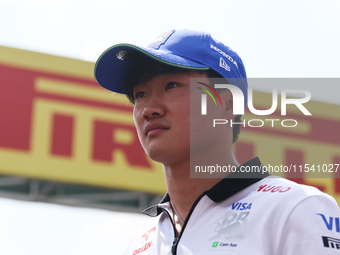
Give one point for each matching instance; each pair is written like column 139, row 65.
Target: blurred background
column 73, row 177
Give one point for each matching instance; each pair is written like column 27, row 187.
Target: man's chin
column 158, row 156
column 166, row 157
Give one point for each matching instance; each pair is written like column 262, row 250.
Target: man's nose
column 154, row 108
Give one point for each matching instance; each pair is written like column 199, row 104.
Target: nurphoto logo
column 239, row 103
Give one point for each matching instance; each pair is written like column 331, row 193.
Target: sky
column 282, row 39
column 291, row 38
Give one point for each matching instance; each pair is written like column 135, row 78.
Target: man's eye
column 171, row 85
column 140, row 94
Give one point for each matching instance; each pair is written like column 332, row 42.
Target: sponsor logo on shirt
column 147, row 234
column 241, row 206
column 232, row 225
column 215, row 244
column 273, row 189
column 147, row 245
column 329, row 222
column 330, row 242
column 143, row 248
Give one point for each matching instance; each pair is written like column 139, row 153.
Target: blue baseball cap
column 189, row 49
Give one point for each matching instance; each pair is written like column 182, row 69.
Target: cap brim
column 111, row 72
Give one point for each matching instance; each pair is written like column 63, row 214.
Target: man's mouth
column 155, row 129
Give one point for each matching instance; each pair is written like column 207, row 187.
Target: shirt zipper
column 176, row 239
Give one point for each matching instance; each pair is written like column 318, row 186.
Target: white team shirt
column 263, row 215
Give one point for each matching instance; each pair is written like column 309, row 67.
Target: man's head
column 186, row 53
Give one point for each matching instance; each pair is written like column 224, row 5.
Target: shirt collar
column 227, row 187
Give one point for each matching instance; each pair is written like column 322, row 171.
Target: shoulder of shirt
column 290, row 189
column 140, row 236
column 146, row 228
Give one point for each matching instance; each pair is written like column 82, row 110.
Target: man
column 237, row 212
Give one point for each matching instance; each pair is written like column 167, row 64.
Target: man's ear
column 227, row 102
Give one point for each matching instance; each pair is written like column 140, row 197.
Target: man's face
column 162, row 116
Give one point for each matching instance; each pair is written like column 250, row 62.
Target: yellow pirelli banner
column 57, row 123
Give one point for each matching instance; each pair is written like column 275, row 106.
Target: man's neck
column 184, row 190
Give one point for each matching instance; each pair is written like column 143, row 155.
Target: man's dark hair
column 146, row 68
